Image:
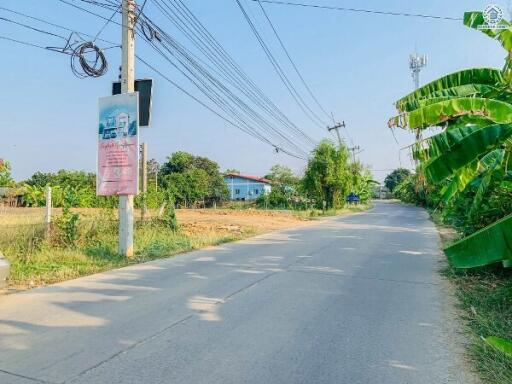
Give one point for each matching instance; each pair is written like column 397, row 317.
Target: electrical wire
column 81, row 66
column 282, row 75
column 97, row 64
column 359, row 10
column 239, row 75
column 213, row 90
column 96, row 67
column 281, row 43
column 224, row 64
column 107, row 23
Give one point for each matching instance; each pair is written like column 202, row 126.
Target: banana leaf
column 487, row 246
column 449, row 85
column 444, row 111
column 467, row 120
column 466, row 150
column 469, row 90
column 476, row 21
column 464, row 176
column 442, row 142
column 492, row 172
column 460, row 181
column 500, row 344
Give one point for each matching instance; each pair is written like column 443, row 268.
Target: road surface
column 354, row 299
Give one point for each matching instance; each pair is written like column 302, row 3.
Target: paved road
column 352, row 300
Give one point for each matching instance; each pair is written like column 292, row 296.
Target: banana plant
column 473, row 108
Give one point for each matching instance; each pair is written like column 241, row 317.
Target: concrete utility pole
column 48, row 212
column 353, row 150
column 336, row 127
column 127, row 86
column 144, row 178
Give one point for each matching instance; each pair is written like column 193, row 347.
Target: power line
column 224, row 65
column 360, row 10
column 204, row 82
column 247, row 128
column 207, row 91
column 308, row 88
column 282, row 75
column 27, row 43
column 205, row 85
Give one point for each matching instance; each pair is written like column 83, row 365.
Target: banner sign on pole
column 118, row 145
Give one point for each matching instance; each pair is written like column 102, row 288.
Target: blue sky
column 356, row 64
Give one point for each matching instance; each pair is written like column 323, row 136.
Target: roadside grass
column 47, row 263
column 318, row 213
column 484, row 297
column 36, row 261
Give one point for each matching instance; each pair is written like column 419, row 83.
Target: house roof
column 249, row 177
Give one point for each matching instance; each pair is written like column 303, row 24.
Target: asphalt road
column 354, row 299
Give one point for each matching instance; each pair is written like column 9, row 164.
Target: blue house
column 245, row 187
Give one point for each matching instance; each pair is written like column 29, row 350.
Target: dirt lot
column 235, row 220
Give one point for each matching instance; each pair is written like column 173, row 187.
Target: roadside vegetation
column 464, row 179
column 188, row 208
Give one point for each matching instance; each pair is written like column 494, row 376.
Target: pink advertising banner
column 118, row 145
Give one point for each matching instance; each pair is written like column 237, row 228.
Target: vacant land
column 36, row 260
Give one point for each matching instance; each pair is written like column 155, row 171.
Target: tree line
column 195, row 181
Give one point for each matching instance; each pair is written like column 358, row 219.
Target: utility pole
column 144, row 179
column 127, row 86
column 353, row 150
column 336, row 127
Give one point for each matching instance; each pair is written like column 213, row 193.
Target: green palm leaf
column 462, row 83
column 500, row 344
column 464, row 176
column 435, row 145
column 476, row 21
column 466, row 150
column 487, row 246
column 444, row 111
column 469, row 90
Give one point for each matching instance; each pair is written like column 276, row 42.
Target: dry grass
column 37, row 261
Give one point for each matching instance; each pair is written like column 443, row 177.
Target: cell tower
column 416, row 64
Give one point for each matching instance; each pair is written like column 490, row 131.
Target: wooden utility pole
column 127, row 86
column 144, row 179
column 336, row 127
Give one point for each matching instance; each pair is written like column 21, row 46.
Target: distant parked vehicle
column 353, row 198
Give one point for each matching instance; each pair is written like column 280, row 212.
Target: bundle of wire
column 88, row 60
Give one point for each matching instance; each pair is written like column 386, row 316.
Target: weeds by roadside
column 88, row 244
column 485, row 298
column 317, row 213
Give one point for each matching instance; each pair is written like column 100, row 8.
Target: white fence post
column 48, row 212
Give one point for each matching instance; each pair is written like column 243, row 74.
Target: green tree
column 6, row 179
column 327, row 176
column 193, row 179
column 396, row 177
column 281, row 175
column 178, row 162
